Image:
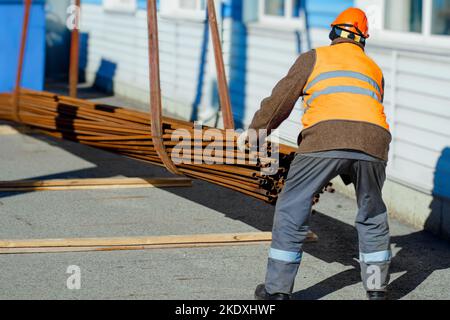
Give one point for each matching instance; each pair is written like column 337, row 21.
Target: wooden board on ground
column 92, row 184
column 136, row 243
column 6, row 130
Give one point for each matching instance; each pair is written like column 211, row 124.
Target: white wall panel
column 418, row 105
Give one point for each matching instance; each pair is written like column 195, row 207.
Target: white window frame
column 286, row 20
column 129, row 6
column 376, row 12
column 172, row 8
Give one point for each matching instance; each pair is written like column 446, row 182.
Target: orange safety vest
column 344, row 85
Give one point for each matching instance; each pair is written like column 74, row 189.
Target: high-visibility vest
column 344, row 85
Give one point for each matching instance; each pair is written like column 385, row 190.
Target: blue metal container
column 11, row 19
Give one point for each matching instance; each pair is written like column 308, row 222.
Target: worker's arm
column 277, row 108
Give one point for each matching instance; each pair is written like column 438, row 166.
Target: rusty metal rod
column 224, row 94
column 75, row 53
column 155, row 86
column 23, row 43
column 128, row 132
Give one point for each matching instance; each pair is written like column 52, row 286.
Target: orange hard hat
column 353, row 20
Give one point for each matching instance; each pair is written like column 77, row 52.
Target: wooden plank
column 6, row 130
column 74, row 188
column 93, row 184
column 123, row 248
column 95, row 181
column 136, row 243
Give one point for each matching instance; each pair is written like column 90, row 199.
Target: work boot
column 262, row 294
column 377, row 295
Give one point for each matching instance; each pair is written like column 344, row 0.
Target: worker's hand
column 242, row 141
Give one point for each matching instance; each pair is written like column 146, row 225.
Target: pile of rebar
column 128, row 132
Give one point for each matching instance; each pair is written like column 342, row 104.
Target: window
column 122, row 6
column 192, row 5
column 440, row 17
column 275, row 8
column 404, row 15
column 184, row 8
column 280, row 10
column 407, row 21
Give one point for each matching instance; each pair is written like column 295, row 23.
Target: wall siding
column 418, row 109
column 121, row 39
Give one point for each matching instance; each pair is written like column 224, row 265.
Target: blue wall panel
column 11, row 17
column 142, row 4
column 321, row 13
column 92, row 2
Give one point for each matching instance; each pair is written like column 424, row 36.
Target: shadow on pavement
column 83, row 92
column 419, row 256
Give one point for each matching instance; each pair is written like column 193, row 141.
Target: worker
column 345, row 133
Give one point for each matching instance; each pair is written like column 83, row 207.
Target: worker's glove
column 242, row 141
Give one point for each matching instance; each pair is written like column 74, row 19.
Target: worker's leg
column 306, row 176
column 372, row 224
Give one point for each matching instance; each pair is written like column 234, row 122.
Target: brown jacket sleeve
column 277, row 108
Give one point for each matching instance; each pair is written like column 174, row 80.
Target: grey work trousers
column 306, row 177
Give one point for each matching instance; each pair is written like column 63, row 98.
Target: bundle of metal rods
column 128, row 132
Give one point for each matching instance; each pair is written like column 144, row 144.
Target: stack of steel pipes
column 128, row 132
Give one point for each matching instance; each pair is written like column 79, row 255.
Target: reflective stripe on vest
column 346, row 74
column 344, row 89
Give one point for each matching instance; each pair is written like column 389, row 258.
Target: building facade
column 410, row 40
